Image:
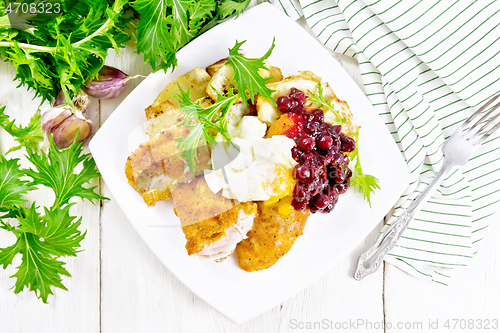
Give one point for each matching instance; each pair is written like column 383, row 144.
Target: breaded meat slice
column 270, row 238
column 156, row 164
column 213, row 225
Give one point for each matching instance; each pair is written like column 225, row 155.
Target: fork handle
column 370, row 260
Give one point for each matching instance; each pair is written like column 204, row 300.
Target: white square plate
column 327, row 238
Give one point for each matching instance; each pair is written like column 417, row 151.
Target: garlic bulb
column 109, row 83
column 64, row 122
column 81, row 101
column 65, row 133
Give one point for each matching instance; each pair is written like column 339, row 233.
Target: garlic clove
column 109, row 83
column 65, row 133
column 59, row 99
column 55, row 116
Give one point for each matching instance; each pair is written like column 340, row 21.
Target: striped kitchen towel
column 426, row 66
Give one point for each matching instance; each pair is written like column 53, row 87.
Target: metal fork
column 457, row 150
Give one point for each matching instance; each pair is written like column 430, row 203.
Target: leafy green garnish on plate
column 319, row 99
column 361, row 182
column 249, row 82
column 204, row 122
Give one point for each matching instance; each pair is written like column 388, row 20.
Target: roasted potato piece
column 275, row 74
column 266, row 111
column 213, row 68
column 205, row 101
column 303, row 80
column 165, row 115
column 165, row 107
column 222, row 81
column 195, row 80
column 161, row 116
column 348, row 128
column 265, row 72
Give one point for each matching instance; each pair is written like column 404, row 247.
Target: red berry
column 313, row 209
column 322, row 173
column 317, row 115
column 312, row 127
column 298, row 96
column 348, row 143
column 297, row 109
column 284, row 103
column 307, row 144
column 297, row 153
column 336, row 130
column 325, row 142
column 332, row 195
column 302, row 172
column 326, row 127
column 340, row 188
column 299, row 193
column 321, row 201
column 299, row 205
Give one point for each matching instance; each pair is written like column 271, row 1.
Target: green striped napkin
column 426, row 66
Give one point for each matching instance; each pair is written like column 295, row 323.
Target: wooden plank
column 76, row 310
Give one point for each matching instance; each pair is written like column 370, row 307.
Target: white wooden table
column 118, row 285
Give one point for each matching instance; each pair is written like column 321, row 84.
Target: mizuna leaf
column 68, row 50
column 56, row 171
column 154, row 37
column 57, row 228
column 202, row 121
column 364, row 184
column 318, row 98
column 229, row 7
column 37, row 271
column 28, row 136
column 41, row 240
column 167, row 25
column 246, row 73
column 12, row 187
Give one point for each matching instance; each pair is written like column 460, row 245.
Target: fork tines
column 489, row 119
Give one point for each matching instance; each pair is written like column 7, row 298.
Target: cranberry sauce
column 322, row 171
